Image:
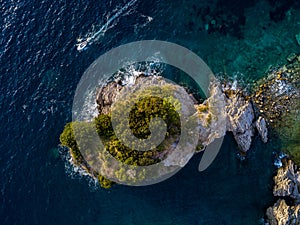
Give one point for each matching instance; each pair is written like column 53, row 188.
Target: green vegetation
column 131, row 157
column 104, row 182
column 146, row 109
column 149, row 108
column 199, row 147
column 202, row 108
column 103, row 126
column 209, row 119
column 67, row 138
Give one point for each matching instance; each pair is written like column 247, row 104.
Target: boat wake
column 83, row 43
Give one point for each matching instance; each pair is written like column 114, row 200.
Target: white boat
column 82, row 45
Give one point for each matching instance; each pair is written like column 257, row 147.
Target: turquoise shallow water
column 40, row 69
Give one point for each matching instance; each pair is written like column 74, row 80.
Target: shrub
column 103, row 125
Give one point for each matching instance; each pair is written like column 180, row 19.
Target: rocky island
column 270, row 108
column 227, row 109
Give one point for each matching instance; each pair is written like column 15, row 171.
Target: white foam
column 75, row 171
column 89, row 109
column 94, row 36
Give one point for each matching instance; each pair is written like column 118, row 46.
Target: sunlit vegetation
column 201, row 108
column 67, row 138
column 146, row 109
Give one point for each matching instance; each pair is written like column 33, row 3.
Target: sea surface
column 39, row 71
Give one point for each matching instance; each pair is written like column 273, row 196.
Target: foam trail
column 84, row 43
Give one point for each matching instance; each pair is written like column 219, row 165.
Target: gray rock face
column 228, row 109
column 240, row 121
column 282, row 214
column 287, row 181
column 261, row 127
column 212, row 115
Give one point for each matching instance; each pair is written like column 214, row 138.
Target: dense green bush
column 67, row 138
column 104, row 182
column 129, row 156
column 140, row 116
column 149, row 108
column 103, row 126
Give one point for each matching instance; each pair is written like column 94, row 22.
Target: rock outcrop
column 278, row 99
column 241, row 120
column 278, row 94
column 287, row 181
column 261, row 127
column 212, row 115
column 282, row 214
column 106, row 96
column 229, row 109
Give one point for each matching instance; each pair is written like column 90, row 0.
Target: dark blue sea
column 39, row 72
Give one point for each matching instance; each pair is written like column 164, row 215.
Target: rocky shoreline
column 275, row 98
column 228, row 109
column 278, row 98
column 273, row 104
column 287, row 183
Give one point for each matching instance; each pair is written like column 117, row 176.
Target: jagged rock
column 282, row 214
column 240, row 120
column 212, row 115
column 228, row 109
column 240, row 113
column 218, row 114
column 287, row 181
column 106, row 96
column 244, row 140
column 261, row 127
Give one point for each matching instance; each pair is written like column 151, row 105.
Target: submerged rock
column 278, row 95
column 298, row 38
column 291, row 57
